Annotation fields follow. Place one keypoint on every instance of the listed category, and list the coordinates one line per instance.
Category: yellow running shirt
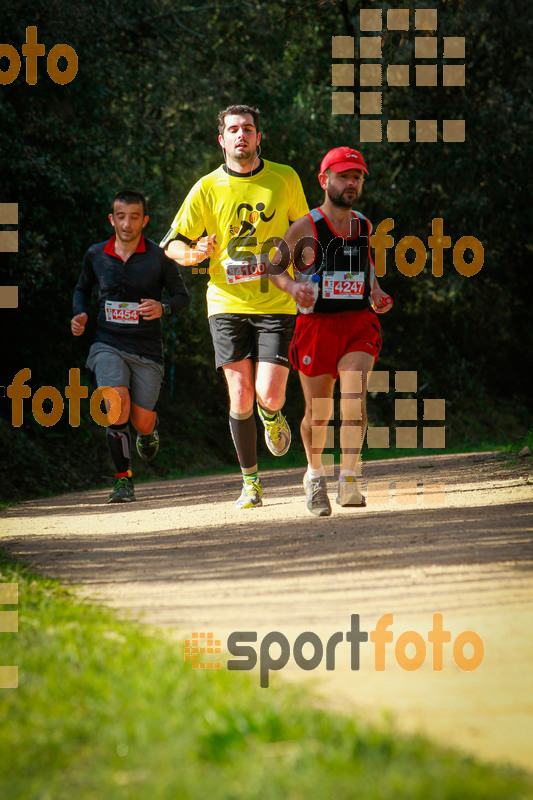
(248, 213)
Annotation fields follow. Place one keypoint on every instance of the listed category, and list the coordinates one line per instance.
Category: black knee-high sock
(244, 434)
(119, 444)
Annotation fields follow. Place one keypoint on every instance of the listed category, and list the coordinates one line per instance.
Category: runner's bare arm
(295, 248)
(189, 255)
(381, 301)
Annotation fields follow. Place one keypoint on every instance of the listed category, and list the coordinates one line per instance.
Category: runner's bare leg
(317, 415)
(240, 380)
(270, 385)
(354, 369)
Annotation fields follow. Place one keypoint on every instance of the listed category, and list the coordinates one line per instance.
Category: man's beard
(244, 156)
(338, 199)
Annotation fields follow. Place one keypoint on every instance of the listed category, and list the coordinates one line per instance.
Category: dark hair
(254, 113)
(129, 197)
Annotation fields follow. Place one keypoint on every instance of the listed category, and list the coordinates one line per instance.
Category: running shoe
(251, 495)
(123, 491)
(348, 494)
(316, 496)
(277, 432)
(148, 445)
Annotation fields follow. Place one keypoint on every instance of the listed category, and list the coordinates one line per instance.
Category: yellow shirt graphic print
(247, 213)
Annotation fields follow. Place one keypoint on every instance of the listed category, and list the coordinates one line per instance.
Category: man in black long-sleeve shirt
(130, 273)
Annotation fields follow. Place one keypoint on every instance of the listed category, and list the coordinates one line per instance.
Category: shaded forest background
(142, 113)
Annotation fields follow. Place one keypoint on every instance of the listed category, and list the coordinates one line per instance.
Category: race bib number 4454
(343, 285)
(123, 313)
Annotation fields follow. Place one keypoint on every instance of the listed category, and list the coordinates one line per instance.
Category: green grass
(517, 444)
(108, 710)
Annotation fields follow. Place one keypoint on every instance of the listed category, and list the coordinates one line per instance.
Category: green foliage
(104, 709)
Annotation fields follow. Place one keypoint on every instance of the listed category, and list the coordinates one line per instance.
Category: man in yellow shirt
(244, 207)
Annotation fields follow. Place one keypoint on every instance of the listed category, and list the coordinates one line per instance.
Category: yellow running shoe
(251, 495)
(277, 432)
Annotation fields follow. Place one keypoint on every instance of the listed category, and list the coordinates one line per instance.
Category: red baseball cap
(342, 158)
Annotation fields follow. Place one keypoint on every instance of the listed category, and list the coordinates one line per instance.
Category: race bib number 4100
(123, 313)
(343, 285)
(241, 271)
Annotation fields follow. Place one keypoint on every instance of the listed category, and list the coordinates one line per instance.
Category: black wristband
(166, 309)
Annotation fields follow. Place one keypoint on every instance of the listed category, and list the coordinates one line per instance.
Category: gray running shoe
(148, 445)
(251, 495)
(277, 432)
(316, 496)
(123, 491)
(348, 494)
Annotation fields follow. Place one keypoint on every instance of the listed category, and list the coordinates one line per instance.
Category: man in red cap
(341, 337)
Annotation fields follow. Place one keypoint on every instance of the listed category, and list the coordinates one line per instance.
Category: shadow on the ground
(255, 545)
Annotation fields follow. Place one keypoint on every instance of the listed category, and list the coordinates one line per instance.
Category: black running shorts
(261, 337)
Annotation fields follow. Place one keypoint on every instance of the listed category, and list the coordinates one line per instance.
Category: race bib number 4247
(343, 285)
(123, 313)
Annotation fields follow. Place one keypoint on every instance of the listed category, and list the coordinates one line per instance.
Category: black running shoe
(148, 445)
(123, 491)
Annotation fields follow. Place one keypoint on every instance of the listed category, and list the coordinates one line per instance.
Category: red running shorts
(321, 339)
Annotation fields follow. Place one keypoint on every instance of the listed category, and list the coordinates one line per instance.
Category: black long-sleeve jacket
(144, 275)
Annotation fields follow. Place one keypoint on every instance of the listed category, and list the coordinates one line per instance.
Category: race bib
(123, 313)
(241, 271)
(343, 285)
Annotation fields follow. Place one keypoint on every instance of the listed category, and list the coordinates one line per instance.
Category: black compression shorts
(260, 337)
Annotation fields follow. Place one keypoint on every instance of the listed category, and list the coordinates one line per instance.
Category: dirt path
(184, 558)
